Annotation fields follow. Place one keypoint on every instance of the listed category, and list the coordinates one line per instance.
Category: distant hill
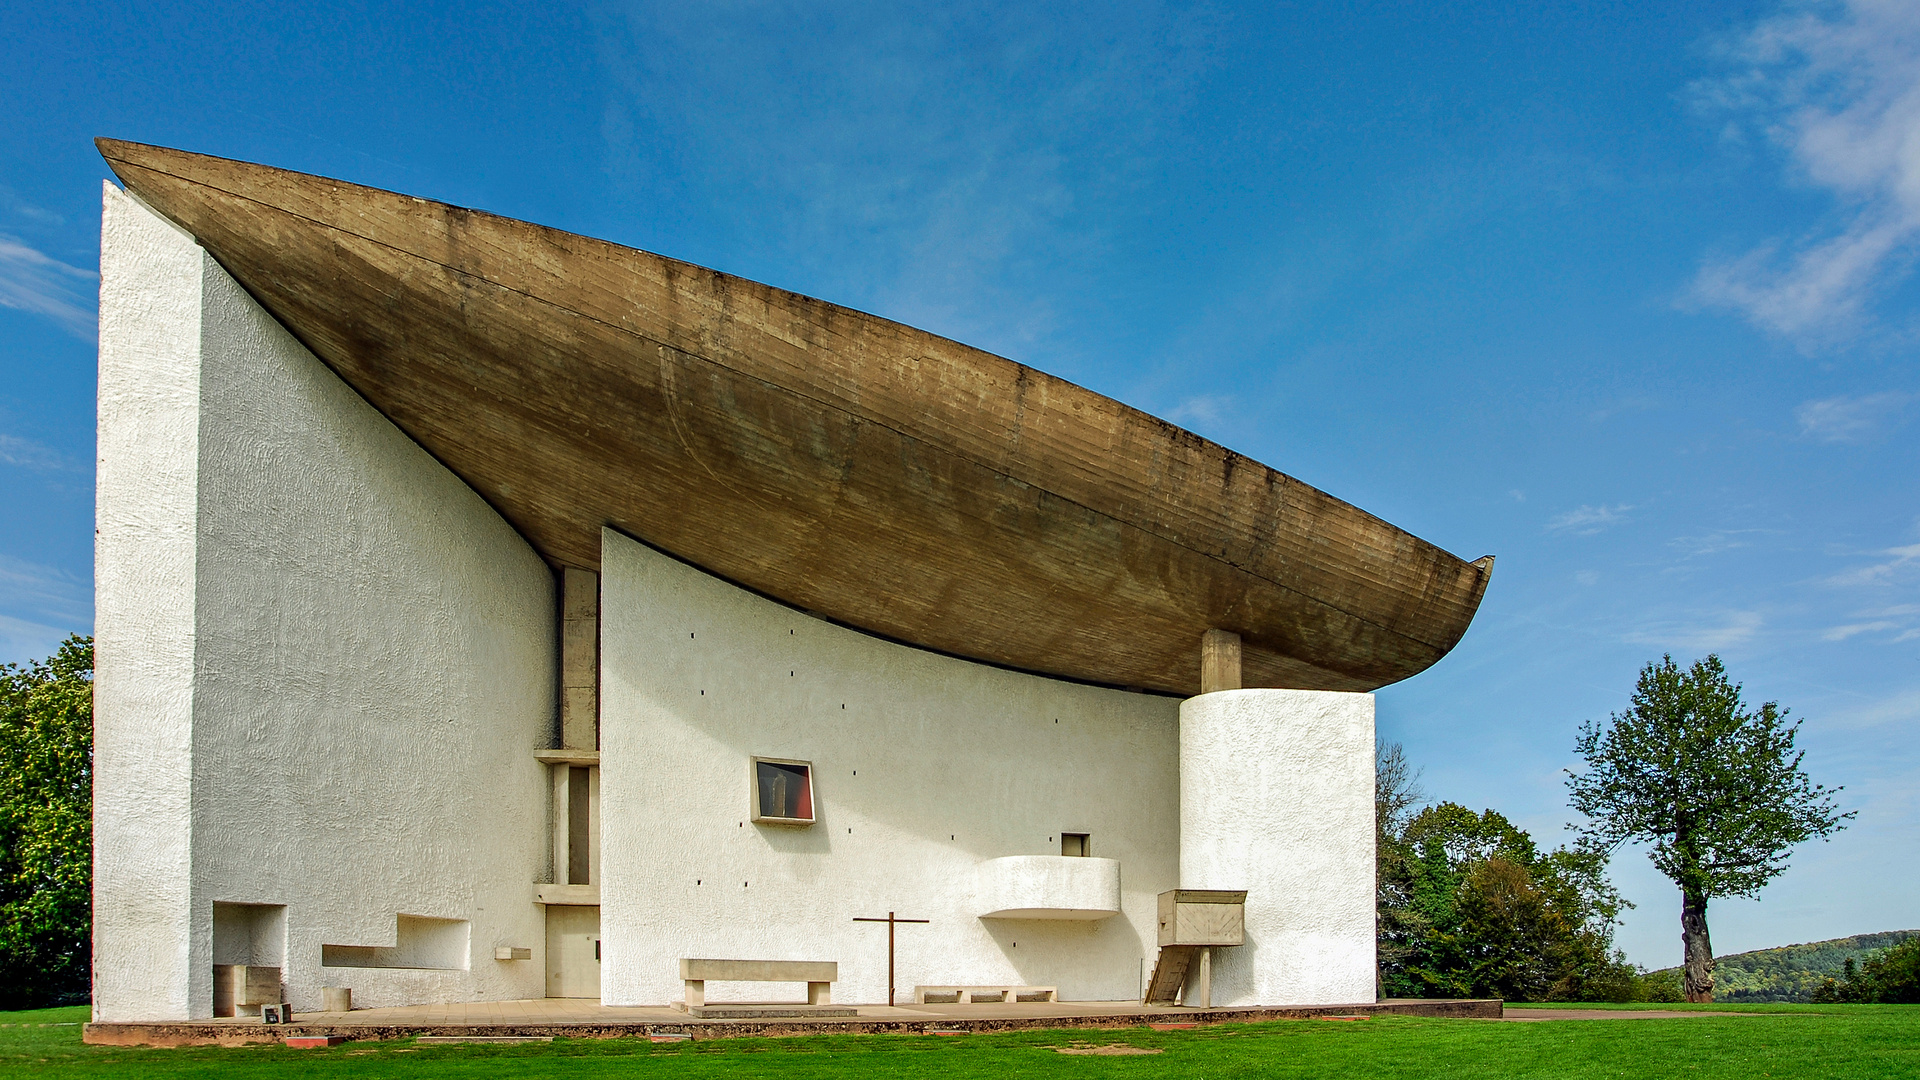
(1791, 972)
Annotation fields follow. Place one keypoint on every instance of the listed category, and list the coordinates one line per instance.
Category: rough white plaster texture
(323, 661)
(1276, 797)
(924, 767)
(1049, 887)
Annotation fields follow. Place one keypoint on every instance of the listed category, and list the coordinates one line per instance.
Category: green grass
(1784, 1041)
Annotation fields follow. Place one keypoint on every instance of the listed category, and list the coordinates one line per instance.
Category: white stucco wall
(144, 578)
(925, 768)
(323, 661)
(1276, 798)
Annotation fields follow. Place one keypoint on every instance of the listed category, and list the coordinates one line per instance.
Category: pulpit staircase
(1170, 973)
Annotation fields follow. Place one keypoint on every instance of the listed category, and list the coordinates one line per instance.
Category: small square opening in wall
(1076, 844)
(782, 791)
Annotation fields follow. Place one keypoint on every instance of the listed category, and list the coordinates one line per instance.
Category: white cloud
(1842, 633)
(44, 590)
(27, 454)
(1587, 520)
(1848, 419)
(22, 640)
(1727, 630)
(35, 283)
(1713, 543)
(1894, 565)
(1901, 706)
(1840, 93)
(1877, 620)
(39, 607)
(1205, 409)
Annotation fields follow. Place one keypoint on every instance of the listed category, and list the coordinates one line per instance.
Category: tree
(1469, 907)
(1715, 787)
(1890, 978)
(1397, 925)
(46, 827)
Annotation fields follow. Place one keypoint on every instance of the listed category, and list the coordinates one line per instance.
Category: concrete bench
(977, 995)
(818, 975)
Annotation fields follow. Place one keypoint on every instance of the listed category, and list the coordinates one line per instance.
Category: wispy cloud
(1587, 520)
(934, 151)
(22, 640)
(1895, 565)
(33, 282)
(1849, 419)
(1700, 545)
(1838, 88)
(1203, 410)
(45, 591)
(1899, 707)
(1714, 634)
(39, 607)
(27, 454)
(1842, 633)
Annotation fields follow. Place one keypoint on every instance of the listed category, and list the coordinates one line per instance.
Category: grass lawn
(1781, 1041)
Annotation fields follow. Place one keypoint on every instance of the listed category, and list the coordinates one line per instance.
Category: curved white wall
(323, 661)
(1276, 797)
(925, 766)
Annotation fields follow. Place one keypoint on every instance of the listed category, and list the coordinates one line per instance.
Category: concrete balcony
(1049, 887)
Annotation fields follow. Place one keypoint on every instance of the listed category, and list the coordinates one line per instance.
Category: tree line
(46, 828)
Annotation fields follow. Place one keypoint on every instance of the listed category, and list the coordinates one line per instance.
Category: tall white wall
(323, 661)
(1276, 797)
(926, 767)
(144, 580)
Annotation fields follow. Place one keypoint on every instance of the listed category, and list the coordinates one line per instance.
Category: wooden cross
(891, 922)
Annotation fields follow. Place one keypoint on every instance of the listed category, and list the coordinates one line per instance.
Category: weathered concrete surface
(884, 477)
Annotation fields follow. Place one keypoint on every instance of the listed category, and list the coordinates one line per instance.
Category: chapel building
(487, 612)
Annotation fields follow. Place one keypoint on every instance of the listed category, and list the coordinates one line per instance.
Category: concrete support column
(579, 659)
(1219, 661)
(1276, 797)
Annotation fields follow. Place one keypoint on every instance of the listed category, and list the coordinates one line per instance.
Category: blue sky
(1622, 294)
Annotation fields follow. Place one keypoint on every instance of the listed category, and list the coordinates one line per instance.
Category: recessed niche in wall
(250, 935)
(249, 957)
(1077, 844)
(431, 944)
(782, 791)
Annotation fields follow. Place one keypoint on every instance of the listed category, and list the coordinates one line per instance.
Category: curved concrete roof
(856, 468)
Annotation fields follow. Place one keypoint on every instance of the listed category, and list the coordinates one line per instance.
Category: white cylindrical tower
(1276, 797)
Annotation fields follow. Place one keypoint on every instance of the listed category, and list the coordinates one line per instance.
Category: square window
(1075, 844)
(782, 791)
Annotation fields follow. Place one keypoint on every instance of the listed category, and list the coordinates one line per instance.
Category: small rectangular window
(1075, 844)
(782, 791)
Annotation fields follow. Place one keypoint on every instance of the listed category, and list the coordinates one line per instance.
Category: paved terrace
(581, 1019)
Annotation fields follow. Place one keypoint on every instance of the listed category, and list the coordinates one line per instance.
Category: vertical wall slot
(579, 834)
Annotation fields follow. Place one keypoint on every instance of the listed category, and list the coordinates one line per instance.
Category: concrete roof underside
(853, 467)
